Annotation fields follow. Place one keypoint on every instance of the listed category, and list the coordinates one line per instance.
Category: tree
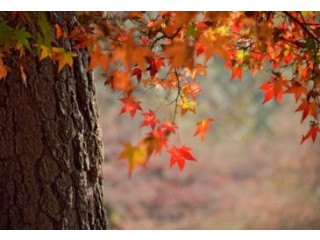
(50, 155)
(50, 158)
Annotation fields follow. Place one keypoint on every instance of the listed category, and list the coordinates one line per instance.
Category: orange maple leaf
(3, 69)
(273, 89)
(180, 54)
(308, 108)
(99, 58)
(203, 128)
(297, 89)
(121, 80)
(130, 53)
(58, 30)
(180, 155)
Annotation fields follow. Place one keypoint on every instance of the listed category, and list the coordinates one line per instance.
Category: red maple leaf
(236, 72)
(150, 119)
(168, 127)
(137, 72)
(203, 127)
(314, 129)
(180, 155)
(155, 141)
(130, 105)
(269, 93)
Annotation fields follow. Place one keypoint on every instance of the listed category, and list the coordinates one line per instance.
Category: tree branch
(302, 26)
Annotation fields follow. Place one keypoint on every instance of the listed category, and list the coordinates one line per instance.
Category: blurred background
(251, 173)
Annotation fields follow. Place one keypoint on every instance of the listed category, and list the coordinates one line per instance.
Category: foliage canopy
(170, 51)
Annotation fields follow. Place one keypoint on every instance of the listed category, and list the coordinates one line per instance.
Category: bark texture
(50, 147)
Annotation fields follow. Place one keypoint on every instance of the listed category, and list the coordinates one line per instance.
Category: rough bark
(50, 147)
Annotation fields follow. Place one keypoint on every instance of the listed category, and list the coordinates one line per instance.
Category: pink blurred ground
(267, 181)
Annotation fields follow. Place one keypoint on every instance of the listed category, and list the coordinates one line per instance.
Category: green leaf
(46, 29)
(310, 44)
(22, 37)
(193, 30)
(40, 42)
(6, 35)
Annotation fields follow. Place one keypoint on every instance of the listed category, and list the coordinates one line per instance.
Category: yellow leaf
(63, 57)
(222, 30)
(242, 55)
(134, 155)
(45, 52)
(187, 105)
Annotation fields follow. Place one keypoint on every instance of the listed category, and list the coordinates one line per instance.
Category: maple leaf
(192, 90)
(212, 44)
(121, 80)
(308, 108)
(155, 141)
(187, 105)
(242, 55)
(130, 105)
(45, 52)
(150, 119)
(181, 18)
(45, 29)
(168, 127)
(58, 30)
(222, 30)
(314, 129)
(137, 72)
(82, 37)
(6, 36)
(135, 155)
(23, 75)
(192, 30)
(236, 72)
(154, 65)
(203, 127)
(269, 93)
(297, 89)
(130, 53)
(22, 37)
(64, 58)
(180, 54)
(180, 155)
(98, 58)
(273, 89)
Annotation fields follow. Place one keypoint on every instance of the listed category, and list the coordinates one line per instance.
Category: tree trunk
(50, 144)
